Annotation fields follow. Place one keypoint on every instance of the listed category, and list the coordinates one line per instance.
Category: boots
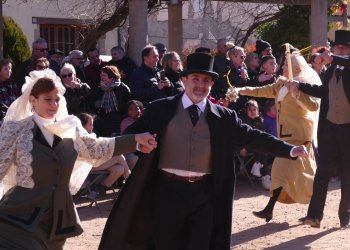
(267, 212)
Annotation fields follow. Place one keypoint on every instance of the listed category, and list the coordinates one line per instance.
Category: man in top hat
(263, 48)
(202, 50)
(180, 196)
(333, 129)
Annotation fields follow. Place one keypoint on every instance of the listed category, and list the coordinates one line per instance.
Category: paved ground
(248, 232)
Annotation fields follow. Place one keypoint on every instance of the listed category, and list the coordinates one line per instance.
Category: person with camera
(110, 102)
(147, 82)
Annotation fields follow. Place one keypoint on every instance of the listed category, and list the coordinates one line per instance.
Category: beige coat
(296, 124)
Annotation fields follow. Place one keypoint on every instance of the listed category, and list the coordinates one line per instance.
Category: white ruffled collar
(41, 121)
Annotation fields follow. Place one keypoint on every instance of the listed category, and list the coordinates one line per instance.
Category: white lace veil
(21, 108)
(65, 126)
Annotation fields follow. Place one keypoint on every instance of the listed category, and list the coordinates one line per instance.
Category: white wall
(22, 13)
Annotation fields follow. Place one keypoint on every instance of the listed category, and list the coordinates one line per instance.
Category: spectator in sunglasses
(77, 92)
(39, 50)
(238, 75)
(41, 63)
(76, 58)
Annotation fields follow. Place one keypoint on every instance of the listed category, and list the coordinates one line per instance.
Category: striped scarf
(109, 100)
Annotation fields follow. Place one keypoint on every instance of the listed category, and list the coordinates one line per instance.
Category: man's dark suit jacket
(321, 91)
(129, 225)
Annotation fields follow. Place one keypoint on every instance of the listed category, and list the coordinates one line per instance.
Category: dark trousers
(183, 214)
(334, 153)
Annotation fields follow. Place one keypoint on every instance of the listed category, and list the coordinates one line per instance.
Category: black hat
(341, 37)
(200, 63)
(202, 50)
(56, 51)
(160, 47)
(261, 45)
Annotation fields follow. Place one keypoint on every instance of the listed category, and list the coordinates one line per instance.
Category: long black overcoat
(322, 91)
(129, 225)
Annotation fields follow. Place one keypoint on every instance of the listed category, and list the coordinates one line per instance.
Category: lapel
(40, 143)
(166, 113)
(168, 110)
(345, 79)
(328, 75)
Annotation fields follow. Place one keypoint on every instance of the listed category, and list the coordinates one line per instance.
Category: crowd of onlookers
(111, 95)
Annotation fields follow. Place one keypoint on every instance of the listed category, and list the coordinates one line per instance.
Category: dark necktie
(193, 110)
(338, 73)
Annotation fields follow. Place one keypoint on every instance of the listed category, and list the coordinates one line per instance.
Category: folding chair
(93, 179)
(244, 163)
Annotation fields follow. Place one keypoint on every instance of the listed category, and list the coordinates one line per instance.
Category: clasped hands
(146, 142)
(293, 87)
(163, 83)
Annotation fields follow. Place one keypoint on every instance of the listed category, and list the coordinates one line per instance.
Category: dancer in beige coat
(291, 180)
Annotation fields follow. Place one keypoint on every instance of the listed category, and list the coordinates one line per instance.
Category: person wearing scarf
(110, 102)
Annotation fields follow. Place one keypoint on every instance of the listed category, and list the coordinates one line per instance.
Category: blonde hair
(167, 58)
(234, 50)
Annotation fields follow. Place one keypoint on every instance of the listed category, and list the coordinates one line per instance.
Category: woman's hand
(146, 142)
(244, 74)
(293, 87)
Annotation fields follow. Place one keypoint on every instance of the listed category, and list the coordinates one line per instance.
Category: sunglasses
(39, 67)
(42, 50)
(68, 75)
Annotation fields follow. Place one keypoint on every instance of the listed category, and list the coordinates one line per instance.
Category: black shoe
(302, 219)
(345, 225)
(263, 215)
(312, 222)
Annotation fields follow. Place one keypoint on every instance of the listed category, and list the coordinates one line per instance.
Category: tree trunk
(1, 33)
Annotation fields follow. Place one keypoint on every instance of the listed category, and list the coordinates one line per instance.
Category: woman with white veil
(291, 180)
(40, 146)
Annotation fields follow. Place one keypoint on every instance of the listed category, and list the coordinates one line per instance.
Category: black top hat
(341, 37)
(202, 50)
(55, 51)
(200, 63)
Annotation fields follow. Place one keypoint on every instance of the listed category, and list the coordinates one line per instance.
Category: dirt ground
(248, 232)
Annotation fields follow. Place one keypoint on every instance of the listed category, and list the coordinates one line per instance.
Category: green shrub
(292, 27)
(15, 42)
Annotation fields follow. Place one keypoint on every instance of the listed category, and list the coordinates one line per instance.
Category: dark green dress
(42, 217)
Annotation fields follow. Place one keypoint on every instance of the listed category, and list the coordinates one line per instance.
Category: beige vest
(183, 146)
(339, 107)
